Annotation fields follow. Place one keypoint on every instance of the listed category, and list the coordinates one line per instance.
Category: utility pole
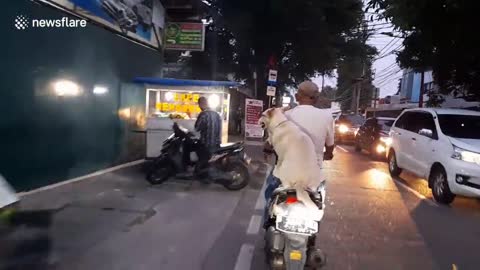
(422, 82)
(359, 81)
(255, 86)
(359, 91)
(375, 97)
(354, 98)
(255, 83)
(323, 81)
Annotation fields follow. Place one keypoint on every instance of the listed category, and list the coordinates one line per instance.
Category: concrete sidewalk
(72, 225)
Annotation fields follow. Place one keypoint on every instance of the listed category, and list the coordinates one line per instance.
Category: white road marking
(260, 204)
(343, 149)
(254, 225)
(244, 259)
(77, 179)
(416, 193)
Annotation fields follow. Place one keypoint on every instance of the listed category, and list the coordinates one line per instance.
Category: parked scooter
(291, 229)
(228, 166)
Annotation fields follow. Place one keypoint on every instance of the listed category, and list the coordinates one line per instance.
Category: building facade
(68, 105)
(411, 82)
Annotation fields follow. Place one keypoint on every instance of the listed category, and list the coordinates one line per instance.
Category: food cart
(173, 100)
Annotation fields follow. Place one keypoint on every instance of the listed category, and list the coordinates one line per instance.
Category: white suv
(441, 145)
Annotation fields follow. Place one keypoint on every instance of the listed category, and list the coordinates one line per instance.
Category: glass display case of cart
(165, 106)
(182, 104)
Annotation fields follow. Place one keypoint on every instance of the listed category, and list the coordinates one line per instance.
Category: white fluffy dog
(297, 161)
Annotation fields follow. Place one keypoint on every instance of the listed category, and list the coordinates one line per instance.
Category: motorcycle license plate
(296, 226)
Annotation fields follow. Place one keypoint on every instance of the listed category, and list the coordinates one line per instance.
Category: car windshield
(385, 124)
(354, 120)
(460, 126)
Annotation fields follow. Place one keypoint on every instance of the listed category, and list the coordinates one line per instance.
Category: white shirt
(316, 123)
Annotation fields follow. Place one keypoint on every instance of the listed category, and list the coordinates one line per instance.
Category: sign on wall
(272, 75)
(253, 112)
(179, 102)
(271, 90)
(141, 20)
(185, 36)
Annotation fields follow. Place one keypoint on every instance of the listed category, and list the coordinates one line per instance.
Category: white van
(441, 145)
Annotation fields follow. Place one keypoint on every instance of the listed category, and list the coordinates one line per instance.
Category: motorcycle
(227, 166)
(291, 229)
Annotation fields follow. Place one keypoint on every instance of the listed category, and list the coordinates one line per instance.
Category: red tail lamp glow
(291, 199)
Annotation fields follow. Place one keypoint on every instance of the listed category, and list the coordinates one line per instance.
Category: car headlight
(380, 149)
(386, 140)
(343, 129)
(465, 155)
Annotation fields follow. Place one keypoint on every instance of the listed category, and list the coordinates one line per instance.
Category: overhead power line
(389, 53)
(389, 77)
(389, 74)
(389, 81)
(386, 70)
(388, 45)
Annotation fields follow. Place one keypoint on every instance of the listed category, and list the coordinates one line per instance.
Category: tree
(327, 95)
(356, 63)
(300, 38)
(439, 34)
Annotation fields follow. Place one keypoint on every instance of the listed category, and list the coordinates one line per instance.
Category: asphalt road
(117, 221)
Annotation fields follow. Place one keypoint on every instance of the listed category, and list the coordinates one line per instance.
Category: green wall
(44, 138)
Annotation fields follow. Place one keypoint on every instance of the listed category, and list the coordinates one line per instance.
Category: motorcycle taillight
(291, 199)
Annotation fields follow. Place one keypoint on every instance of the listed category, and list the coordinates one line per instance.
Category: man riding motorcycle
(316, 123)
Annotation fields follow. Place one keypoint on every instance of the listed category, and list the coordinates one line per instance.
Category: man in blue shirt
(209, 124)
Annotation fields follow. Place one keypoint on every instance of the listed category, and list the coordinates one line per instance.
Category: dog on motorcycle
(297, 166)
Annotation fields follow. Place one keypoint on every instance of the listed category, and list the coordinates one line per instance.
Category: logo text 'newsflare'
(22, 23)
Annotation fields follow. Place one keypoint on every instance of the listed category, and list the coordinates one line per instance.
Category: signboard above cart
(183, 36)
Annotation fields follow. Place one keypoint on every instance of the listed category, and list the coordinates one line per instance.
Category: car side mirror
(426, 132)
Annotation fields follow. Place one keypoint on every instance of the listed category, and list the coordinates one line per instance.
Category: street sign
(271, 90)
(272, 75)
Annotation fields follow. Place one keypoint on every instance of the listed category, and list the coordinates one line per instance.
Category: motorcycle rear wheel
(240, 176)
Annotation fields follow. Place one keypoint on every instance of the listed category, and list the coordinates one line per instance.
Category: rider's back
(316, 123)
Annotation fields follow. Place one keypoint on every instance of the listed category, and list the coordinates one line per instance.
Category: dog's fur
(297, 161)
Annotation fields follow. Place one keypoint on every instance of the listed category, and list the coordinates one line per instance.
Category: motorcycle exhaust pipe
(275, 240)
